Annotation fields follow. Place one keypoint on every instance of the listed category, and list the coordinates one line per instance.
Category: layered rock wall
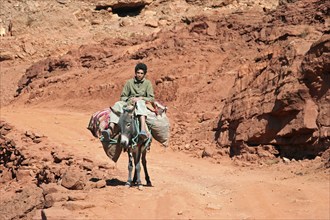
(282, 99)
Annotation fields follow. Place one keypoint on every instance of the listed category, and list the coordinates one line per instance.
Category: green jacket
(134, 88)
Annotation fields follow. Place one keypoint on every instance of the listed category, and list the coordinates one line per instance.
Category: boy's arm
(125, 93)
(150, 96)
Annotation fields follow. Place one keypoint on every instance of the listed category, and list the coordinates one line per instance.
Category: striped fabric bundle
(99, 121)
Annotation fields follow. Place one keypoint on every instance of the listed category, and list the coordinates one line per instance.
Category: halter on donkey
(129, 139)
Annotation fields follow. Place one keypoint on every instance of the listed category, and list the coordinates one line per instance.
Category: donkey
(136, 149)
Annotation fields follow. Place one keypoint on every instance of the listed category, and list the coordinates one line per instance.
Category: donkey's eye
(128, 124)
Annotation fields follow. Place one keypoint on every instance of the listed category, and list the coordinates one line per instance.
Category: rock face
(282, 99)
(21, 202)
(316, 76)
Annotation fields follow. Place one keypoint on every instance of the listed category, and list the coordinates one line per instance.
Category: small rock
(163, 22)
(169, 78)
(152, 23)
(97, 174)
(150, 13)
(60, 197)
(37, 135)
(6, 56)
(77, 196)
(6, 176)
(49, 201)
(207, 152)
(187, 147)
(63, 1)
(158, 81)
(96, 22)
(51, 188)
(286, 160)
(77, 206)
(29, 134)
(2, 31)
(212, 29)
(213, 206)
(126, 22)
(29, 48)
(23, 175)
(101, 184)
(105, 166)
(73, 179)
(37, 140)
(87, 166)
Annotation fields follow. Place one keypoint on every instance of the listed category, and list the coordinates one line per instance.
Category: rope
(111, 141)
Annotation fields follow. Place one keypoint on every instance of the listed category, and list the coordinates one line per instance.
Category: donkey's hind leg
(130, 168)
(144, 163)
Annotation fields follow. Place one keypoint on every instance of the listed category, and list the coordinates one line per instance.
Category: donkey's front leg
(137, 163)
(144, 163)
(130, 168)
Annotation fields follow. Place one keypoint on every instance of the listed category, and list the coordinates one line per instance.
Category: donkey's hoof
(149, 183)
(140, 187)
(128, 184)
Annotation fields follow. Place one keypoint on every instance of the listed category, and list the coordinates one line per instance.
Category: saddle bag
(159, 124)
(100, 121)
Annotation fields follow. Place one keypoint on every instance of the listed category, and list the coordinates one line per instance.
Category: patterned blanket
(99, 121)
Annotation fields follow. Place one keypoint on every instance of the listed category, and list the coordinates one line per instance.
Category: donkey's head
(128, 126)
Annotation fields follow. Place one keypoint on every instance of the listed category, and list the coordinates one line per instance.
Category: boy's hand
(135, 99)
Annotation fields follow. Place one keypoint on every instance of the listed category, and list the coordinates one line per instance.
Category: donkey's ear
(118, 113)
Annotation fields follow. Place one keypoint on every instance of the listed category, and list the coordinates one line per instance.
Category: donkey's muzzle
(124, 141)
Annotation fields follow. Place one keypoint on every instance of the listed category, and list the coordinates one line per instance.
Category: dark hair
(141, 66)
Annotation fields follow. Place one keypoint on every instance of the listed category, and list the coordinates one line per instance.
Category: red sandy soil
(186, 185)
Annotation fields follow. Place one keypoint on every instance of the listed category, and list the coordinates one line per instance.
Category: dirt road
(184, 187)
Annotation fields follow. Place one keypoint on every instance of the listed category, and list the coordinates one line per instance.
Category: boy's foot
(106, 135)
(143, 136)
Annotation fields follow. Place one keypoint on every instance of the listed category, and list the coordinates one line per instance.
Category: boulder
(74, 179)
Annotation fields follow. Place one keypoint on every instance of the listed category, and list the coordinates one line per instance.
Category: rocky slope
(274, 99)
(280, 100)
